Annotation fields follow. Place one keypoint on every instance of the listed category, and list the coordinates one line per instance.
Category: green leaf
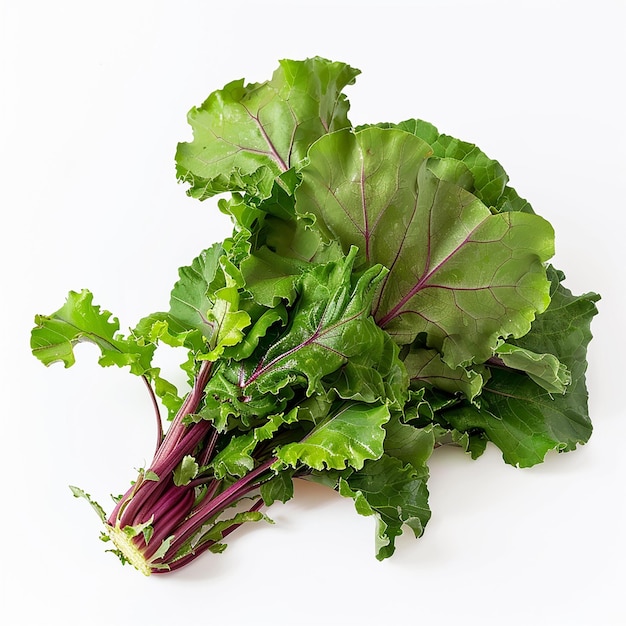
(544, 369)
(165, 390)
(472, 442)
(395, 493)
(228, 320)
(488, 177)
(250, 342)
(564, 330)
(381, 376)
(236, 458)
(523, 419)
(55, 336)
(271, 278)
(279, 488)
(164, 327)
(207, 298)
(162, 551)
(224, 398)
(247, 135)
(409, 444)
(426, 368)
(217, 531)
(79, 493)
(330, 326)
(185, 471)
(189, 300)
(348, 437)
(511, 201)
(458, 273)
(145, 529)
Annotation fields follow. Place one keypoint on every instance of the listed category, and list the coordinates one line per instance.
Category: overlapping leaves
(517, 413)
(330, 332)
(459, 273)
(384, 292)
(489, 180)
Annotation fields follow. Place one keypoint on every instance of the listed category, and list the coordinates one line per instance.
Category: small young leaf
(186, 471)
(79, 493)
(279, 488)
(162, 549)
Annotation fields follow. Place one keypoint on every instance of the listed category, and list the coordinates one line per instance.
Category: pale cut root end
(129, 550)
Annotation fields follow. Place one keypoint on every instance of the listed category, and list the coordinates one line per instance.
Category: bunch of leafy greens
(384, 292)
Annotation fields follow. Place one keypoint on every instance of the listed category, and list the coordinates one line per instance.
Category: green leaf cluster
(384, 292)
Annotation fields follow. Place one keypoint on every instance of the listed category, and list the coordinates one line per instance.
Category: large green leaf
(521, 417)
(348, 437)
(458, 273)
(247, 135)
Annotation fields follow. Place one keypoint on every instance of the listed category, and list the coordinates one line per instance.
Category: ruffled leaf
(523, 419)
(544, 369)
(409, 444)
(395, 493)
(427, 368)
(347, 438)
(489, 180)
(330, 326)
(186, 471)
(207, 298)
(79, 320)
(190, 299)
(245, 136)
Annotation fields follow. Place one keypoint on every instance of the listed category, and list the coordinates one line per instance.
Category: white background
(93, 99)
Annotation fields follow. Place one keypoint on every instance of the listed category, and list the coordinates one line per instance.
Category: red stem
(210, 508)
(185, 560)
